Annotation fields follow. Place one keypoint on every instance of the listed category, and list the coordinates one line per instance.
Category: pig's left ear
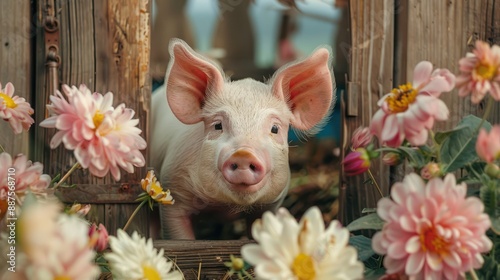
(307, 86)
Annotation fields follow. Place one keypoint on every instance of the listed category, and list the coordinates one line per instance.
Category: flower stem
(134, 213)
(487, 111)
(435, 146)
(473, 274)
(73, 168)
(375, 183)
(1, 149)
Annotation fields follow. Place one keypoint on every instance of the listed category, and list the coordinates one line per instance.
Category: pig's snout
(243, 168)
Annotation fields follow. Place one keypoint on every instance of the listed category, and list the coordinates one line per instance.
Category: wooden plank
(105, 45)
(372, 25)
(122, 66)
(15, 61)
(443, 32)
(188, 255)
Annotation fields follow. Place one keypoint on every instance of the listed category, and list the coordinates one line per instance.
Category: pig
(221, 145)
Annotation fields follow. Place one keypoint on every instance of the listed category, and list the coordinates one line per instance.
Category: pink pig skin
(222, 146)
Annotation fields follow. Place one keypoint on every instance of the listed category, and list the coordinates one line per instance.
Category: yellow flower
(153, 188)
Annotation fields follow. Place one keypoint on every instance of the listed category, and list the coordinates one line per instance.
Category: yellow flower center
(98, 119)
(8, 101)
(401, 98)
(303, 267)
(484, 71)
(150, 273)
(432, 241)
(62, 277)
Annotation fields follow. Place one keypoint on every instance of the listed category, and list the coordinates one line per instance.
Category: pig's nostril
(252, 167)
(234, 166)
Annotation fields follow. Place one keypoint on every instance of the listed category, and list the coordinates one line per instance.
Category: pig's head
(243, 157)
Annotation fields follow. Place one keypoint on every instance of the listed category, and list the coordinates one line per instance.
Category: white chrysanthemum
(134, 258)
(304, 250)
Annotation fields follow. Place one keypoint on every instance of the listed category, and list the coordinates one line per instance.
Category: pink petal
(436, 86)
(9, 89)
(391, 132)
(397, 250)
(413, 245)
(434, 261)
(415, 263)
(421, 73)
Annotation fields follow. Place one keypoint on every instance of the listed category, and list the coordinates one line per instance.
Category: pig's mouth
(246, 188)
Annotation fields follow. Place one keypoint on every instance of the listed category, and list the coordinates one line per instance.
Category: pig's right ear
(190, 78)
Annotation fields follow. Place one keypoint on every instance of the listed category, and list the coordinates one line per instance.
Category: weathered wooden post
(105, 45)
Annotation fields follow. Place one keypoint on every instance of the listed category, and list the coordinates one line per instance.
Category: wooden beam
(105, 45)
(210, 254)
(371, 70)
(15, 65)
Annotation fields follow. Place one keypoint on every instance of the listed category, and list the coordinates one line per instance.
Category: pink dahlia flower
(103, 138)
(407, 112)
(23, 176)
(488, 144)
(15, 109)
(480, 72)
(432, 230)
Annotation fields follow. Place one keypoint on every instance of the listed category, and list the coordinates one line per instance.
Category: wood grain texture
(442, 32)
(15, 65)
(104, 45)
(371, 72)
(211, 254)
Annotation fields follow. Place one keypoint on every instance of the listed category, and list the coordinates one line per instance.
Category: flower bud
(488, 144)
(361, 137)
(391, 158)
(492, 170)
(98, 237)
(356, 162)
(431, 170)
(79, 209)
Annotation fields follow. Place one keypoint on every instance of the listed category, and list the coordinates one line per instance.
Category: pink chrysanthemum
(407, 112)
(432, 230)
(104, 138)
(23, 176)
(480, 72)
(15, 109)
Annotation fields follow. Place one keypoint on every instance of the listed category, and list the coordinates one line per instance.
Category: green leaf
(370, 221)
(373, 274)
(439, 137)
(459, 148)
(415, 157)
(368, 210)
(363, 245)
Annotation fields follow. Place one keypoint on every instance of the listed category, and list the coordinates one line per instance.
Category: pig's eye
(218, 126)
(274, 129)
